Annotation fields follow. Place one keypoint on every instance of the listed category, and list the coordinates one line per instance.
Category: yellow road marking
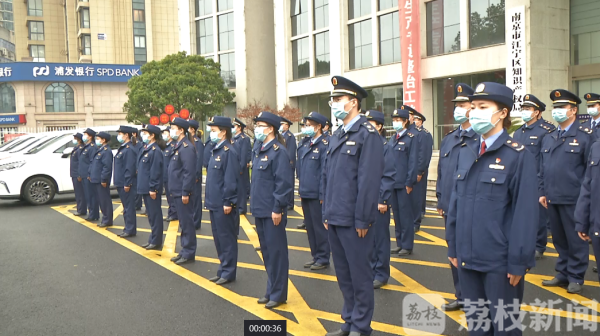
(171, 237)
(536, 280)
(419, 262)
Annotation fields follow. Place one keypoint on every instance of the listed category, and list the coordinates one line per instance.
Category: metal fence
(9, 133)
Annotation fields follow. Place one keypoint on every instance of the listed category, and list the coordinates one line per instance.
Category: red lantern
(174, 116)
(184, 113)
(169, 109)
(164, 118)
(154, 120)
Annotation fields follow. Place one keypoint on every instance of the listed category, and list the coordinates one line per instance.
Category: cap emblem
(459, 89)
(402, 107)
(556, 94)
(480, 88)
(526, 97)
(334, 81)
(588, 96)
(260, 114)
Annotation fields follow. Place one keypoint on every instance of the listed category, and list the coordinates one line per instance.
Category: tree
(184, 81)
(488, 29)
(252, 110)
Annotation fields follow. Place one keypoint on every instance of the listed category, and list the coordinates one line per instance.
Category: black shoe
(222, 281)
(167, 219)
(378, 284)
(308, 264)
(595, 269)
(539, 255)
(154, 247)
(175, 258)
(78, 214)
(574, 288)
(126, 235)
(183, 260)
(452, 306)
(301, 226)
(262, 300)
(257, 248)
(417, 228)
(395, 250)
(145, 245)
(273, 304)
(104, 225)
(338, 333)
(91, 219)
(214, 279)
(138, 209)
(554, 283)
(404, 252)
(317, 266)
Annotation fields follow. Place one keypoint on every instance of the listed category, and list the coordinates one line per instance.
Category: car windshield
(47, 142)
(8, 146)
(27, 144)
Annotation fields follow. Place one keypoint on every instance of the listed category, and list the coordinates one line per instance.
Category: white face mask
(526, 115)
(460, 114)
(593, 111)
(481, 120)
(174, 134)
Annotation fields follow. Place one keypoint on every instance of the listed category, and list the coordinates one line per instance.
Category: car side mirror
(67, 152)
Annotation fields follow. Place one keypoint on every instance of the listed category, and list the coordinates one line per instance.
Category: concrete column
(282, 49)
(464, 24)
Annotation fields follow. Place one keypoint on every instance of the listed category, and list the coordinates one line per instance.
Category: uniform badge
(127, 146)
(400, 143)
(588, 96)
(350, 143)
(480, 88)
(515, 144)
(105, 148)
(334, 81)
(556, 94)
(496, 166)
(99, 154)
(316, 151)
(498, 160)
(526, 97)
(176, 152)
(275, 147)
(459, 89)
(574, 140)
(533, 137)
(265, 158)
(574, 143)
(146, 155)
(225, 148)
(218, 158)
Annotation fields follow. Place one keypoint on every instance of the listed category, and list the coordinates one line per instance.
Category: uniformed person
(422, 164)
(194, 127)
(351, 181)
(75, 177)
(168, 153)
(139, 146)
(208, 146)
(562, 168)
(326, 129)
(492, 222)
(85, 160)
(150, 182)
(311, 160)
(447, 166)
(222, 177)
(182, 187)
(421, 186)
(593, 109)
(272, 177)
(101, 170)
(306, 139)
(531, 134)
(291, 147)
(255, 149)
(405, 152)
(125, 178)
(244, 150)
(380, 262)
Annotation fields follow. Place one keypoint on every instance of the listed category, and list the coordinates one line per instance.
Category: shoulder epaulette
(369, 126)
(418, 129)
(410, 134)
(91, 145)
(275, 147)
(105, 148)
(195, 139)
(452, 131)
(153, 148)
(185, 144)
(127, 146)
(243, 137)
(426, 131)
(225, 148)
(586, 130)
(324, 141)
(514, 145)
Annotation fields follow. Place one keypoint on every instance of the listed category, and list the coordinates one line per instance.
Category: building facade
(460, 41)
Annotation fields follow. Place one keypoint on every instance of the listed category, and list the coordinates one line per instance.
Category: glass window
(84, 17)
(317, 103)
(585, 32)
(387, 4)
(204, 36)
(322, 53)
(443, 26)
(358, 8)
(34, 8)
(226, 40)
(385, 99)
(299, 15)
(36, 30)
(60, 98)
(586, 86)
(86, 45)
(38, 52)
(321, 14)
(228, 69)
(300, 58)
(224, 5)
(7, 99)
(138, 15)
(389, 38)
(443, 94)
(361, 46)
(139, 41)
(487, 22)
(203, 7)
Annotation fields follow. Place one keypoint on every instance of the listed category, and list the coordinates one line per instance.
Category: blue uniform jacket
(493, 219)
(199, 157)
(448, 162)
(588, 124)
(241, 143)
(125, 166)
(311, 160)
(427, 150)
(352, 176)
(221, 178)
(302, 148)
(405, 153)
(101, 167)
(562, 164)
(272, 177)
(182, 169)
(291, 146)
(150, 170)
(419, 136)
(587, 214)
(389, 174)
(85, 159)
(75, 154)
(255, 148)
(532, 136)
(207, 152)
(168, 155)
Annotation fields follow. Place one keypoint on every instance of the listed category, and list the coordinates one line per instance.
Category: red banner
(410, 43)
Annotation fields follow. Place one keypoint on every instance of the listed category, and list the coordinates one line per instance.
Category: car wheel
(39, 191)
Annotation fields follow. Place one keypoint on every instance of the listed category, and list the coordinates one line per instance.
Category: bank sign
(67, 72)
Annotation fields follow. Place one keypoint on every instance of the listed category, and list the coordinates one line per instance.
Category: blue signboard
(67, 72)
(13, 119)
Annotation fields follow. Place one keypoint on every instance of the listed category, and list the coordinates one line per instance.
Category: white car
(41, 169)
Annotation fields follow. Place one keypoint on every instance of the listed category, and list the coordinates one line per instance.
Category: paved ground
(61, 275)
